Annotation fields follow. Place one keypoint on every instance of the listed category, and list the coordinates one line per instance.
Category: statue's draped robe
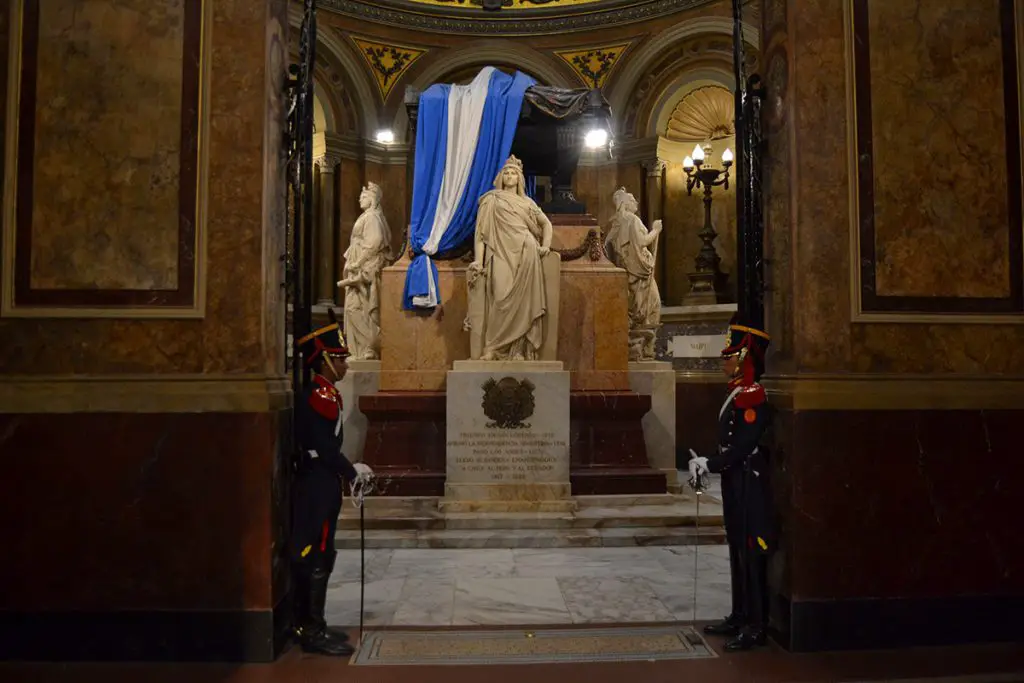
(367, 253)
(510, 228)
(627, 239)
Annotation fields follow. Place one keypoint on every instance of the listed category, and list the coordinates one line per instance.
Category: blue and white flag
(463, 137)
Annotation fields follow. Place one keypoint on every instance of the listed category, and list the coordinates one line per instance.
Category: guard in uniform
(317, 492)
(746, 491)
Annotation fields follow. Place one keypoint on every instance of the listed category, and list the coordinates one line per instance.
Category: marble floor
(464, 587)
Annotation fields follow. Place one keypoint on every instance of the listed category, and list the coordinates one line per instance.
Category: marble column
(325, 280)
(654, 209)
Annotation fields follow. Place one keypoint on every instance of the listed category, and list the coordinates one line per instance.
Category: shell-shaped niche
(707, 113)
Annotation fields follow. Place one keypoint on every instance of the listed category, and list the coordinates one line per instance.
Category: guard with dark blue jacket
(317, 491)
(746, 492)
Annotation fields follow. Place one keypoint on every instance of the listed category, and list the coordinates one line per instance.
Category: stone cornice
(525, 22)
(637, 151)
(359, 149)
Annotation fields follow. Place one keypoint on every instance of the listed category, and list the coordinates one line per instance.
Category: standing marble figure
(746, 491)
(369, 250)
(512, 236)
(631, 247)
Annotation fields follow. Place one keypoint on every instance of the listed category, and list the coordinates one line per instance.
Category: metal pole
(742, 228)
(362, 568)
(304, 314)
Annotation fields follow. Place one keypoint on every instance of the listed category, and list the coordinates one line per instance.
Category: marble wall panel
(928, 532)
(168, 511)
(275, 187)
(814, 286)
(820, 240)
(230, 337)
(931, 105)
(107, 152)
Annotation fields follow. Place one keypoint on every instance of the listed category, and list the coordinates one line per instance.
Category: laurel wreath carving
(591, 246)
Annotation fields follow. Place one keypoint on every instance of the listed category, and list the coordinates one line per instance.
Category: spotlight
(385, 137)
(596, 138)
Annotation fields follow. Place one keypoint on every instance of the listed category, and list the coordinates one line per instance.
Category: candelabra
(708, 282)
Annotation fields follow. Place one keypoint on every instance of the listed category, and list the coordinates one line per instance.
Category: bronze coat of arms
(508, 402)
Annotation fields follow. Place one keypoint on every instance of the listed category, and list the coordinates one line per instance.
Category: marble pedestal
(657, 379)
(507, 427)
(362, 379)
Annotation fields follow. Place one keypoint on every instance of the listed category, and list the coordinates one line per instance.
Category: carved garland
(591, 246)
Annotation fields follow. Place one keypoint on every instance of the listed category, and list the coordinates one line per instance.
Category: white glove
(698, 465)
(363, 471)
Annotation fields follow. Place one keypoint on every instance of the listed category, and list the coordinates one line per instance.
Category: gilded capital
(654, 167)
(327, 163)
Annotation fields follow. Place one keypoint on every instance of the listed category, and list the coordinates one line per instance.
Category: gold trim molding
(903, 392)
(144, 394)
(388, 62)
(594, 65)
(857, 313)
(8, 309)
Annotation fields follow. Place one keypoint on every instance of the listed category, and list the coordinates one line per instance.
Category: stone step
(533, 538)
(637, 516)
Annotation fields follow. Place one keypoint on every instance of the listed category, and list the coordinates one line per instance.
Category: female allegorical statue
(512, 236)
(369, 250)
(629, 246)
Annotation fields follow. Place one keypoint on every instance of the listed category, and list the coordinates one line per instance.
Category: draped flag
(463, 137)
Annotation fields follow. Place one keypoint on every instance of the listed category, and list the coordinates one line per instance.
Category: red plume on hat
(749, 343)
(327, 339)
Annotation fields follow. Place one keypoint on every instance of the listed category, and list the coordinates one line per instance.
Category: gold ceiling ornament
(387, 62)
(506, 4)
(707, 113)
(594, 64)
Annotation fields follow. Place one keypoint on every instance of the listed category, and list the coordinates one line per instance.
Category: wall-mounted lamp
(385, 137)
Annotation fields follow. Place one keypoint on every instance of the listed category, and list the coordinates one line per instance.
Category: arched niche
(677, 92)
(340, 80)
(460, 66)
(651, 72)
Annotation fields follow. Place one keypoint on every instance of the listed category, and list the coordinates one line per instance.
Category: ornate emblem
(387, 62)
(594, 64)
(508, 402)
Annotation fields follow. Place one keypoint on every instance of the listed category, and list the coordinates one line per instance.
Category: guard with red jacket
(746, 492)
(317, 491)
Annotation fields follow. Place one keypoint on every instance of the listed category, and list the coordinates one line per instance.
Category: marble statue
(369, 250)
(512, 238)
(632, 247)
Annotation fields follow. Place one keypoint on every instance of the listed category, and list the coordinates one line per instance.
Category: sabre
(359, 490)
(699, 484)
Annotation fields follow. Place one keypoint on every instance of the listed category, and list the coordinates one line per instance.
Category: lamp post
(708, 281)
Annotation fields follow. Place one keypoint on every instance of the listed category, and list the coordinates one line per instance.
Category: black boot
(300, 599)
(302, 616)
(748, 639)
(729, 626)
(315, 636)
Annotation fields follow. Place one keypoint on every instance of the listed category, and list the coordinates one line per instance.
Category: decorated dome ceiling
(513, 17)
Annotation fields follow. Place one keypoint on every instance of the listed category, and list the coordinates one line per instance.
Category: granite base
(508, 437)
(657, 379)
(406, 430)
(362, 378)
